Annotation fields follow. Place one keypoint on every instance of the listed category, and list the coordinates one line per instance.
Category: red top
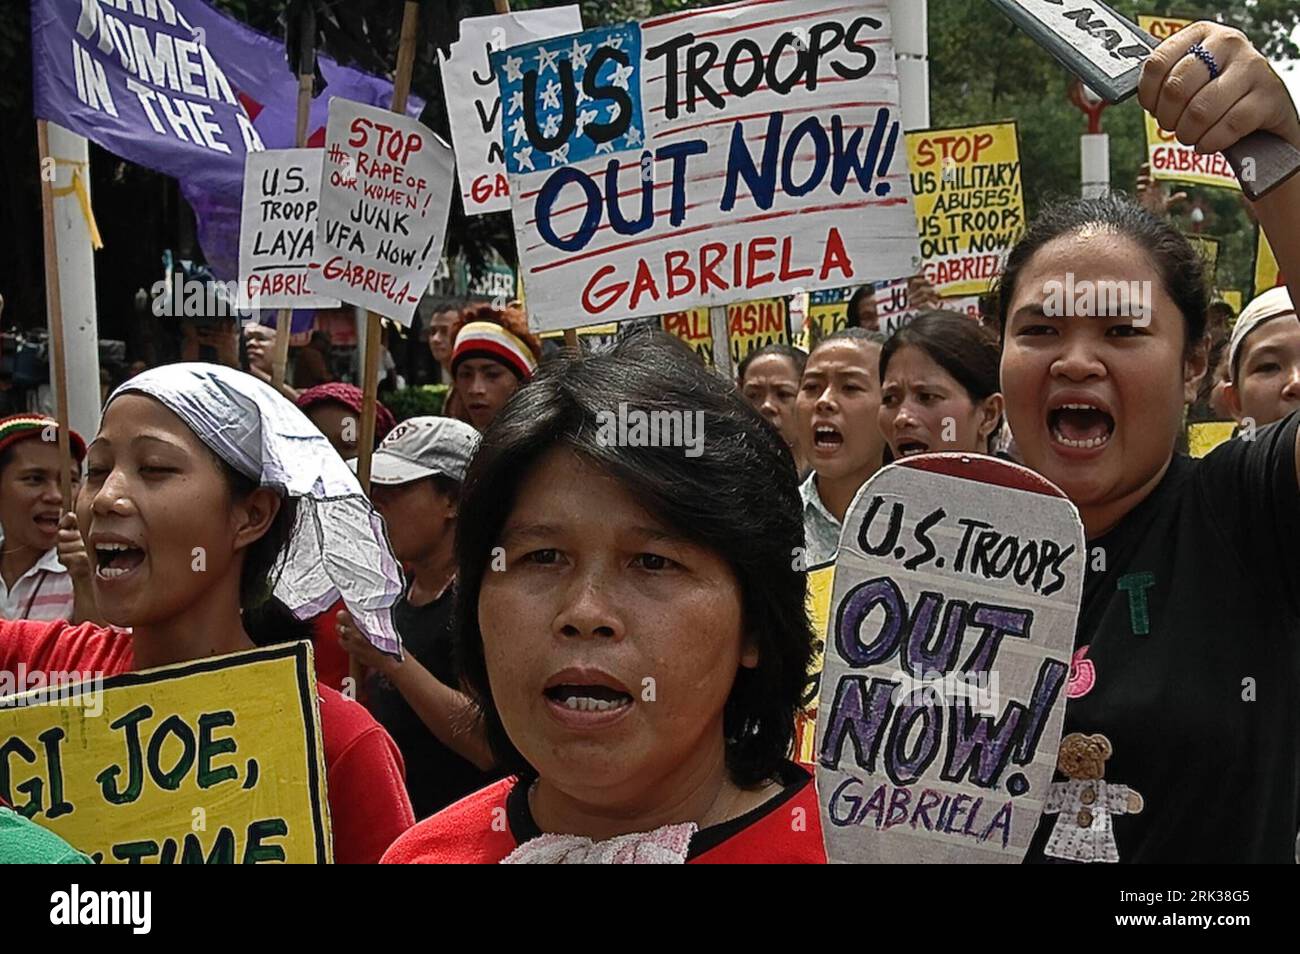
(364, 773)
(485, 827)
(333, 664)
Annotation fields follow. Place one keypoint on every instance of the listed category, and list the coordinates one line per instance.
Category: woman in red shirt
(631, 624)
(195, 483)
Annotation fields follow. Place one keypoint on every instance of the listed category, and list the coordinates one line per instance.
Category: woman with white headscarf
(205, 492)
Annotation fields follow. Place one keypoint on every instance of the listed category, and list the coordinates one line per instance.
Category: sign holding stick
(218, 761)
(54, 306)
(474, 107)
(1107, 51)
(703, 158)
(956, 596)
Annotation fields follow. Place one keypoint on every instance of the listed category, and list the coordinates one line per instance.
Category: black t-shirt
(1187, 666)
(435, 775)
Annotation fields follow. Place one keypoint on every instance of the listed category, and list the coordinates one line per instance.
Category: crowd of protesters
(542, 572)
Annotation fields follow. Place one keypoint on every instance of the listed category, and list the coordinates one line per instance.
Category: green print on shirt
(1136, 586)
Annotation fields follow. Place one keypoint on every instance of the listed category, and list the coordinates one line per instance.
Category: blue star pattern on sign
(571, 98)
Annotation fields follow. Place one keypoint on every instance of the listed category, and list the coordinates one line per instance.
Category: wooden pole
(370, 379)
(721, 340)
(370, 376)
(306, 83)
(58, 359)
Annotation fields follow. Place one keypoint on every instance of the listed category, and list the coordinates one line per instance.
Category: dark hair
(1180, 266)
(851, 333)
(263, 560)
(707, 499)
(793, 355)
(860, 294)
(958, 345)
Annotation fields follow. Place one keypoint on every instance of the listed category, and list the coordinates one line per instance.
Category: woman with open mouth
(193, 486)
(632, 628)
(837, 412)
(769, 380)
(1186, 672)
(939, 387)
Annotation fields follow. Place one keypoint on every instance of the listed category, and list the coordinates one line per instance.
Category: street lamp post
(1094, 145)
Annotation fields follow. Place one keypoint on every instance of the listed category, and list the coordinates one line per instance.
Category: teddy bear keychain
(1086, 802)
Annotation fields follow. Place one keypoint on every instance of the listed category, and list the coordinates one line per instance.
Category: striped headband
(25, 426)
(486, 339)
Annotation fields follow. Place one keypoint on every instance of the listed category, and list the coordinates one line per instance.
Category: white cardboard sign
(951, 630)
(706, 158)
(385, 195)
(277, 230)
(474, 105)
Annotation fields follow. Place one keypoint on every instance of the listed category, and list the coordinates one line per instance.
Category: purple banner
(183, 89)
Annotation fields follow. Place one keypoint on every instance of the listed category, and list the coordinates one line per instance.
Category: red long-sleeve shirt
(364, 773)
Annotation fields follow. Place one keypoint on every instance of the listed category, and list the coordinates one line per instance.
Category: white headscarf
(339, 548)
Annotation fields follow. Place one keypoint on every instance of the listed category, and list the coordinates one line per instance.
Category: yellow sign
(1170, 160)
(218, 761)
(821, 581)
(608, 330)
(1266, 271)
(751, 326)
(970, 205)
(1232, 298)
(1204, 437)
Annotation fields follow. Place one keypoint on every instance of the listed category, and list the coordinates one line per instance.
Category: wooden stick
(370, 377)
(571, 340)
(721, 340)
(58, 356)
(502, 6)
(283, 320)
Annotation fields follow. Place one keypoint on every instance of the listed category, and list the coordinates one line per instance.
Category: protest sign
(751, 325)
(828, 311)
(968, 305)
(1169, 159)
(704, 158)
(970, 205)
(277, 234)
(474, 106)
(957, 591)
(820, 581)
(1267, 273)
(216, 761)
(385, 195)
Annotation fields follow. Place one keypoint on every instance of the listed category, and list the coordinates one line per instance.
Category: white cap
(424, 447)
(1274, 303)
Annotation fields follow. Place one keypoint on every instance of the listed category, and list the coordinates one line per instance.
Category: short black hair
(708, 499)
(1180, 266)
(851, 333)
(796, 357)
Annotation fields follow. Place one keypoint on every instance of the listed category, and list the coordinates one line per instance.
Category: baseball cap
(1274, 303)
(21, 427)
(423, 447)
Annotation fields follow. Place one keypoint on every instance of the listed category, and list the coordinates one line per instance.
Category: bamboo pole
(58, 355)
